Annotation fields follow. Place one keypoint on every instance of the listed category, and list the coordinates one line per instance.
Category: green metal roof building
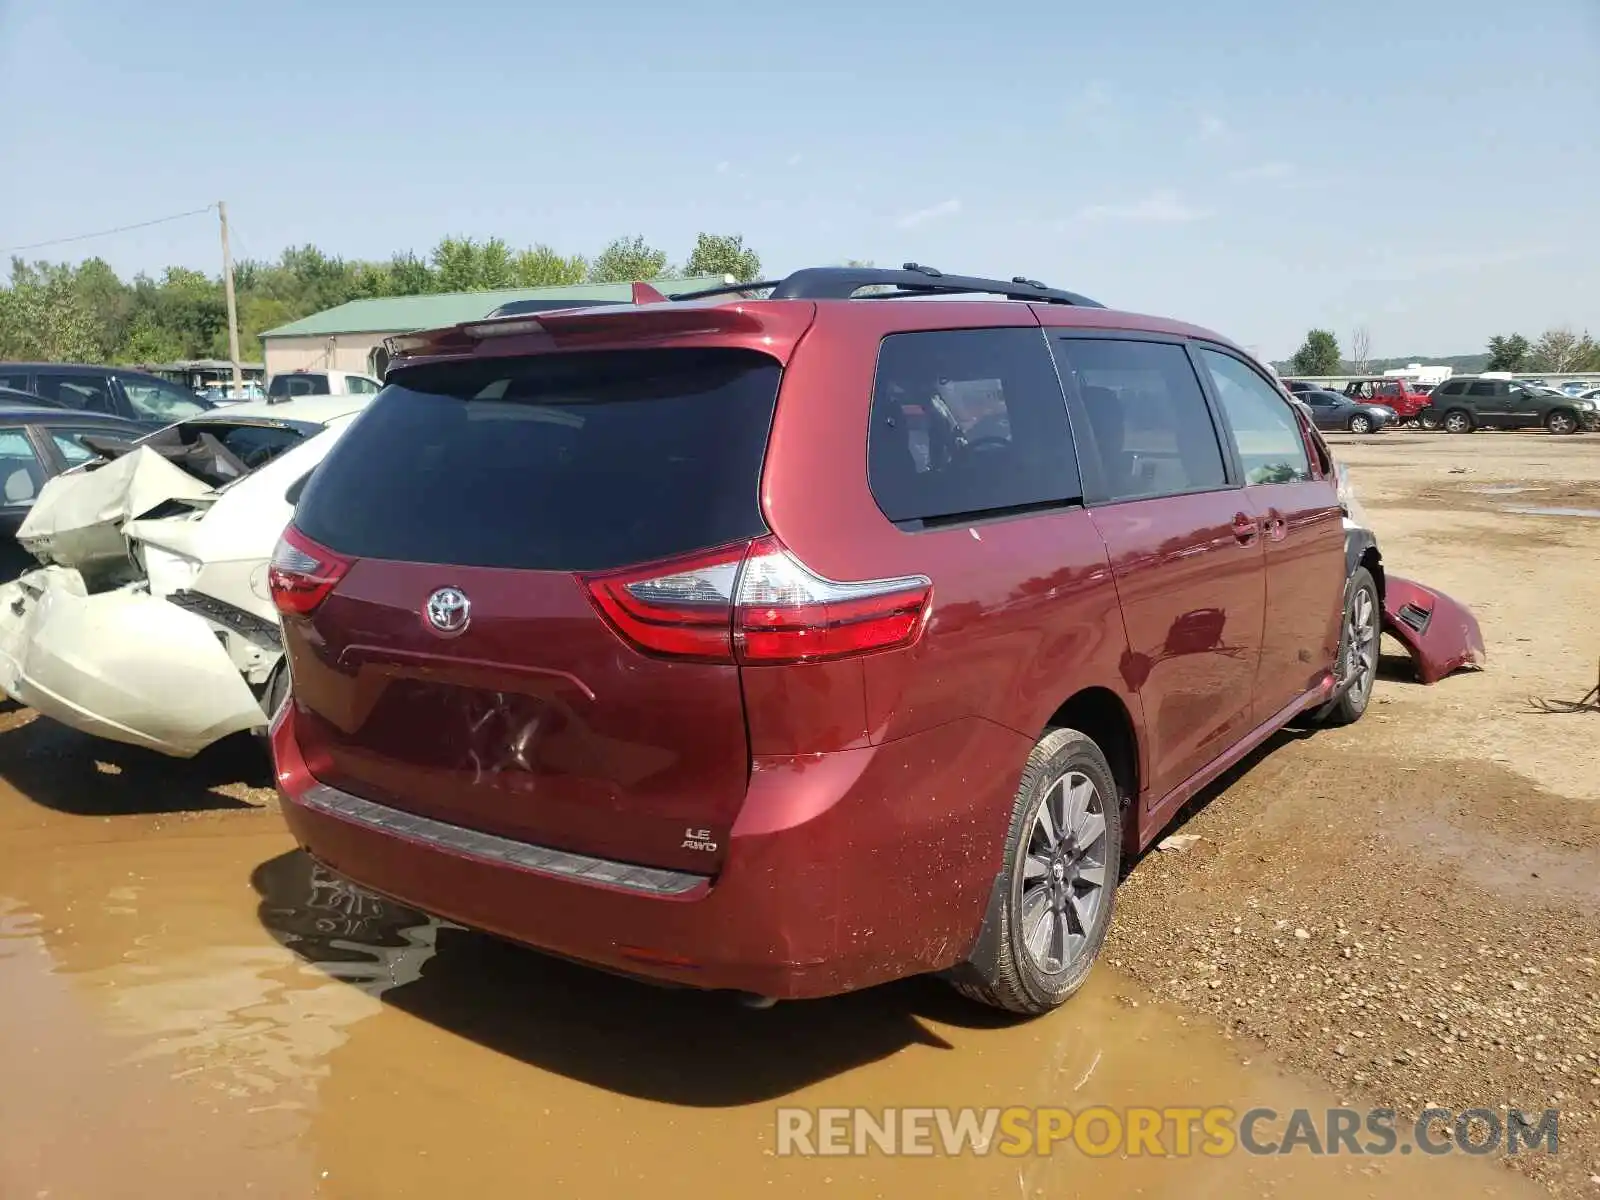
(350, 337)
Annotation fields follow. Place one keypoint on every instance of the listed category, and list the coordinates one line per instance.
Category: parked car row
(1582, 389)
(1461, 404)
(783, 646)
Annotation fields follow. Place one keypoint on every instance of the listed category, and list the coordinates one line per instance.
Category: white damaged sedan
(150, 621)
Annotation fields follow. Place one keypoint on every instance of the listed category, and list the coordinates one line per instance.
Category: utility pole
(233, 311)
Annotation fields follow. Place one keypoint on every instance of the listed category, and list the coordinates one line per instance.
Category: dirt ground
(1405, 912)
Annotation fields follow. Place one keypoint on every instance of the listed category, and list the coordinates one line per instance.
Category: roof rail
(727, 289)
(913, 279)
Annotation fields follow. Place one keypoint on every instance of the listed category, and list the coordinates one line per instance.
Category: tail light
(302, 573)
(785, 612)
(758, 604)
(682, 608)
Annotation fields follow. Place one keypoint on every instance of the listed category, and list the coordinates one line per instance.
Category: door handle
(1276, 526)
(1245, 528)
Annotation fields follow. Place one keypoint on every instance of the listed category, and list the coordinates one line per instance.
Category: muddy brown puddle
(189, 1008)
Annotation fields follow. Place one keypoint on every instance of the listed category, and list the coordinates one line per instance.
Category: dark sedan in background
(38, 442)
(96, 391)
(1330, 410)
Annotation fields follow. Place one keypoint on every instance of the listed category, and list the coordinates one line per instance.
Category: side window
(1484, 387)
(69, 443)
(1271, 446)
(18, 383)
(968, 423)
(87, 393)
(1450, 389)
(1144, 424)
(157, 400)
(361, 387)
(21, 473)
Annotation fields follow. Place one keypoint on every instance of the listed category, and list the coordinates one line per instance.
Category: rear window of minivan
(559, 462)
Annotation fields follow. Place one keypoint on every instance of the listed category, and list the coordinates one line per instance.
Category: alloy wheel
(1360, 425)
(1360, 660)
(1064, 872)
(1561, 423)
(1457, 423)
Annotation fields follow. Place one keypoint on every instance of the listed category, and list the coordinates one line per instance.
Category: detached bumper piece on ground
(1441, 634)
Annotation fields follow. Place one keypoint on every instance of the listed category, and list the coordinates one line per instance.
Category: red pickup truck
(1398, 394)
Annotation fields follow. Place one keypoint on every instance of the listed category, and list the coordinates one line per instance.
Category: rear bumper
(834, 878)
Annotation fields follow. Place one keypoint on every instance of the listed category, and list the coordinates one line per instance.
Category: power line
(83, 237)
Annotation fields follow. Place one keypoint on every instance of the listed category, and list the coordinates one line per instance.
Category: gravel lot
(1410, 908)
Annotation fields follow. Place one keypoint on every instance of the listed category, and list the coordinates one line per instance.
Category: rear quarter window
(966, 424)
(561, 462)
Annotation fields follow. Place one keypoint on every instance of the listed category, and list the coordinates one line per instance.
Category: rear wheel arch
(1100, 715)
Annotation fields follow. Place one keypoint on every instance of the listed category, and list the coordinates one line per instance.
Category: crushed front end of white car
(150, 621)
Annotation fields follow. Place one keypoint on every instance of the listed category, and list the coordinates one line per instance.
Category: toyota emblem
(448, 610)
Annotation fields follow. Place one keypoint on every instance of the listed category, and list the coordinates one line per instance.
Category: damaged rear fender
(1439, 632)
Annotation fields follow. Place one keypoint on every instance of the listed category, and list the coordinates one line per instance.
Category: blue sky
(1427, 168)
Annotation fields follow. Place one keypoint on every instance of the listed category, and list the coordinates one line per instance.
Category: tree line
(1554, 351)
(64, 312)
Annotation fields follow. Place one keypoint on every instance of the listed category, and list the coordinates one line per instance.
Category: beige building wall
(344, 352)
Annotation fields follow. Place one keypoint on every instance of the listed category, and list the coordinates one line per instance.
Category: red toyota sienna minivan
(793, 644)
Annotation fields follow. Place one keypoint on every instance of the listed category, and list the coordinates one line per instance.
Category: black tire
(1361, 423)
(1457, 421)
(1004, 973)
(1355, 695)
(1562, 421)
(1428, 419)
(273, 696)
